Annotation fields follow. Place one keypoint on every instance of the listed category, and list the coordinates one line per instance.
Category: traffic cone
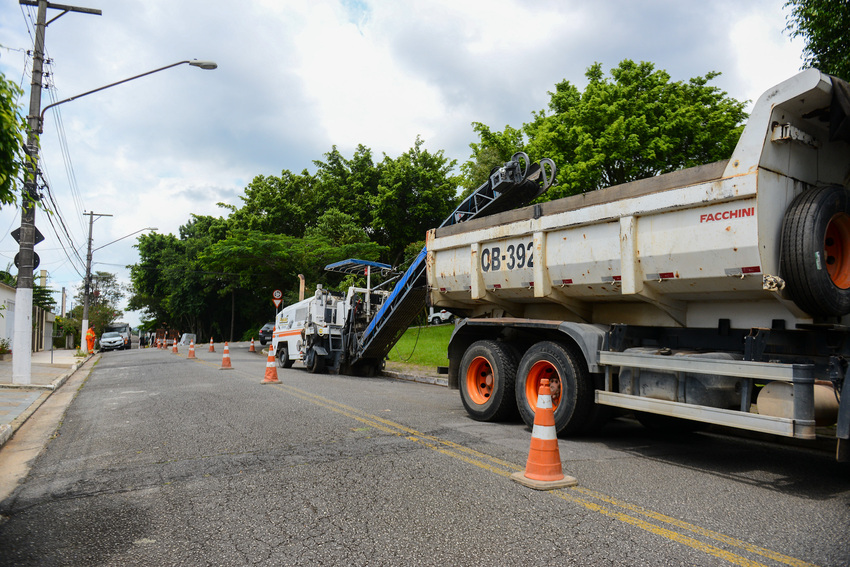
(271, 370)
(225, 359)
(159, 344)
(252, 346)
(212, 347)
(174, 347)
(191, 349)
(543, 469)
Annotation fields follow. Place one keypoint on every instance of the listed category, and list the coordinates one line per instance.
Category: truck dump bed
(682, 249)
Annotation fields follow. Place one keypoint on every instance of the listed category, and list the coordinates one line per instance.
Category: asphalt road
(162, 460)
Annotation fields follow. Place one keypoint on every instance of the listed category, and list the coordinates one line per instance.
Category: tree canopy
(823, 24)
(636, 124)
(12, 127)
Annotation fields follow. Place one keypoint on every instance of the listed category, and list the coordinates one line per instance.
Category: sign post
(277, 297)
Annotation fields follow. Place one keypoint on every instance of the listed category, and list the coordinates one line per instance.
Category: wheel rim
(480, 380)
(540, 370)
(836, 247)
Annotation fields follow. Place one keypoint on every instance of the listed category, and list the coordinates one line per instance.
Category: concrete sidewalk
(50, 369)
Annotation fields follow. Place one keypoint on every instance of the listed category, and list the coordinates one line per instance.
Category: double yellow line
(592, 500)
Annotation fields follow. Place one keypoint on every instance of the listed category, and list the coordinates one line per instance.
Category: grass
(423, 346)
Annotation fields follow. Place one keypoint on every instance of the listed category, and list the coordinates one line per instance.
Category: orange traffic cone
(252, 346)
(225, 359)
(159, 344)
(212, 347)
(271, 370)
(174, 347)
(191, 349)
(543, 469)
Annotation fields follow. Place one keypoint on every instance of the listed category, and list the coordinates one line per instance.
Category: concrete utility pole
(26, 259)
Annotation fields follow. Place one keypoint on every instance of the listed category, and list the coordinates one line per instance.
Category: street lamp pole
(22, 345)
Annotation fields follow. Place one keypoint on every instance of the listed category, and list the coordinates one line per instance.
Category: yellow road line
(696, 529)
(663, 532)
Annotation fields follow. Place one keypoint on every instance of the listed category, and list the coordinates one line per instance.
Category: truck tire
(815, 261)
(283, 360)
(487, 376)
(572, 391)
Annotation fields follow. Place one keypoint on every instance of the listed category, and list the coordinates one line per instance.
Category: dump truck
(712, 295)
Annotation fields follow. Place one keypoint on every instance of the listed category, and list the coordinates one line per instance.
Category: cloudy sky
(296, 77)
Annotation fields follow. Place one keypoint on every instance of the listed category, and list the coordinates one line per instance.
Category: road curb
(7, 430)
(424, 379)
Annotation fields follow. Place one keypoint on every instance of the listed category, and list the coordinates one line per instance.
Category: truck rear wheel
(815, 260)
(572, 394)
(487, 376)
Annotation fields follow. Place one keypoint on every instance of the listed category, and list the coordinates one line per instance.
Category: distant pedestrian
(90, 337)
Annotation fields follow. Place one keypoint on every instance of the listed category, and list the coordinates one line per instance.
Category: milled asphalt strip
(505, 469)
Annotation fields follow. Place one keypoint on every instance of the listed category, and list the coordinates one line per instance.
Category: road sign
(37, 236)
(277, 296)
(35, 260)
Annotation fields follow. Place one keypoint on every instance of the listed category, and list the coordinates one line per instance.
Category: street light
(206, 65)
(85, 321)
(22, 345)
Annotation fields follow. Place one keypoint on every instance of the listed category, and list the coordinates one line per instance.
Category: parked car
(186, 338)
(439, 317)
(266, 333)
(111, 340)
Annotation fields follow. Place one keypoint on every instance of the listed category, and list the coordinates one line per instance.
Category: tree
(638, 125)
(12, 127)
(105, 293)
(494, 149)
(823, 24)
(347, 185)
(416, 192)
(277, 205)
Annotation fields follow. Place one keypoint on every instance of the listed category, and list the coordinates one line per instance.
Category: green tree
(277, 205)
(12, 127)
(416, 192)
(493, 149)
(635, 125)
(823, 24)
(105, 293)
(347, 185)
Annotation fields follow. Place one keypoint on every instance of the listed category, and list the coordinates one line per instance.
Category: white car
(111, 341)
(438, 317)
(187, 338)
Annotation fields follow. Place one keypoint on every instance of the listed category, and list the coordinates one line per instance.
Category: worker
(90, 336)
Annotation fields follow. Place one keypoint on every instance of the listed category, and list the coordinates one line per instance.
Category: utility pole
(27, 260)
(87, 284)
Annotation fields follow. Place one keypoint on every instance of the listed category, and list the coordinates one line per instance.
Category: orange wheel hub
(836, 247)
(540, 370)
(479, 380)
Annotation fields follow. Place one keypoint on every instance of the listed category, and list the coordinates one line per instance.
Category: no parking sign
(277, 296)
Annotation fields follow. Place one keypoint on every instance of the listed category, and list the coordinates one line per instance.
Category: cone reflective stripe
(271, 370)
(212, 348)
(191, 349)
(252, 346)
(225, 359)
(543, 469)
